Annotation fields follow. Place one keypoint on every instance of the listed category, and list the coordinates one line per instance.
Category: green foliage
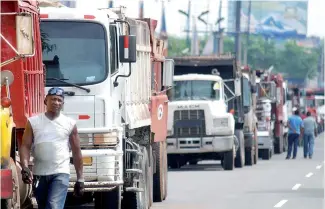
(297, 61)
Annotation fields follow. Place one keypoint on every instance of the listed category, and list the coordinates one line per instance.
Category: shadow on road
(199, 167)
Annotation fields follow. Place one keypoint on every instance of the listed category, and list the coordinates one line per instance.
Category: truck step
(134, 151)
(133, 189)
(133, 171)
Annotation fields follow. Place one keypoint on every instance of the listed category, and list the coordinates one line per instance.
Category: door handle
(166, 101)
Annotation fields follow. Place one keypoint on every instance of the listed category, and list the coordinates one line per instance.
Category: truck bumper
(200, 145)
(265, 142)
(102, 170)
(6, 184)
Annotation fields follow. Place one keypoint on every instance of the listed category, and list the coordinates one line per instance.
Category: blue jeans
(51, 191)
(309, 140)
(293, 140)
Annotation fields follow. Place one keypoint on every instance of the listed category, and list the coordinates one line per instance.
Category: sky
(176, 22)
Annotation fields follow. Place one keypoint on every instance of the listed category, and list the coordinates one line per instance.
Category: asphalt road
(276, 183)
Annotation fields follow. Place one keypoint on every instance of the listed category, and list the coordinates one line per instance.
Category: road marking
(318, 167)
(280, 204)
(309, 175)
(296, 187)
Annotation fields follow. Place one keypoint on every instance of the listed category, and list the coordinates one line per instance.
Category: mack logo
(188, 106)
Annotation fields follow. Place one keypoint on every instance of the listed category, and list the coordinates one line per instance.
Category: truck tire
(255, 147)
(158, 177)
(228, 160)
(240, 155)
(285, 142)
(151, 177)
(13, 203)
(165, 171)
(25, 190)
(108, 200)
(249, 156)
(278, 145)
(266, 154)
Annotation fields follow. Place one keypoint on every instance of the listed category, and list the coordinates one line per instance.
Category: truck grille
(189, 123)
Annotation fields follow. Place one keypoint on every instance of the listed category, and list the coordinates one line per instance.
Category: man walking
(295, 125)
(310, 132)
(49, 135)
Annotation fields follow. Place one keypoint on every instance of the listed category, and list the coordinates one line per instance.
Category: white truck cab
(199, 126)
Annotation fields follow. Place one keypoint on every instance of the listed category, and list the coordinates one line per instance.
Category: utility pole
(188, 22)
(238, 32)
(220, 33)
(248, 33)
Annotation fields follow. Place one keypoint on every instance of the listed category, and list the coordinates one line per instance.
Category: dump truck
(22, 93)
(115, 78)
(250, 124)
(207, 111)
(271, 85)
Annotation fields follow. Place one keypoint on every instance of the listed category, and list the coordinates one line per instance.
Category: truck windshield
(74, 52)
(196, 90)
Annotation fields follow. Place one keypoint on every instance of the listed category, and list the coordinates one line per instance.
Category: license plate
(87, 161)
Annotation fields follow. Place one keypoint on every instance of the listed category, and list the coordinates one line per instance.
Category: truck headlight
(220, 122)
(105, 139)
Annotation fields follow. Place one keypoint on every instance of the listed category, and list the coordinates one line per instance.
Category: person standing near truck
(310, 132)
(49, 135)
(295, 125)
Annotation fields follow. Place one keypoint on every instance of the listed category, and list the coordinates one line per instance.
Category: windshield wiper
(71, 84)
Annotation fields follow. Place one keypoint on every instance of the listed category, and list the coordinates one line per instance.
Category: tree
(297, 61)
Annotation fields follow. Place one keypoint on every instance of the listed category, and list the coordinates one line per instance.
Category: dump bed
(27, 90)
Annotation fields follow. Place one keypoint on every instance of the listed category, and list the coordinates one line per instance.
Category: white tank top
(51, 144)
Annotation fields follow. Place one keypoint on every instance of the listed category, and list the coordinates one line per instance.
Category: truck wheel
(285, 142)
(240, 155)
(108, 200)
(256, 147)
(148, 178)
(13, 203)
(278, 146)
(228, 160)
(266, 154)
(158, 177)
(249, 156)
(165, 171)
(151, 178)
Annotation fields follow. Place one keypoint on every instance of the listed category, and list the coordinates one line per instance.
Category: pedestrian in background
(295, 128)
(49, 135)
(310, 132)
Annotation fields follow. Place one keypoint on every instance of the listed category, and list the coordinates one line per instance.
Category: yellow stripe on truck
(6, 131)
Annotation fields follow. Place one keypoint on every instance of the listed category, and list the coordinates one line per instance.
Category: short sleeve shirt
(295, 122)
(309, 124)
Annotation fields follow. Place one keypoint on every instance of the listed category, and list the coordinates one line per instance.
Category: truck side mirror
(168, 73)
(25, 35)
(6, 77)
(237, 87)
(128, 48)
